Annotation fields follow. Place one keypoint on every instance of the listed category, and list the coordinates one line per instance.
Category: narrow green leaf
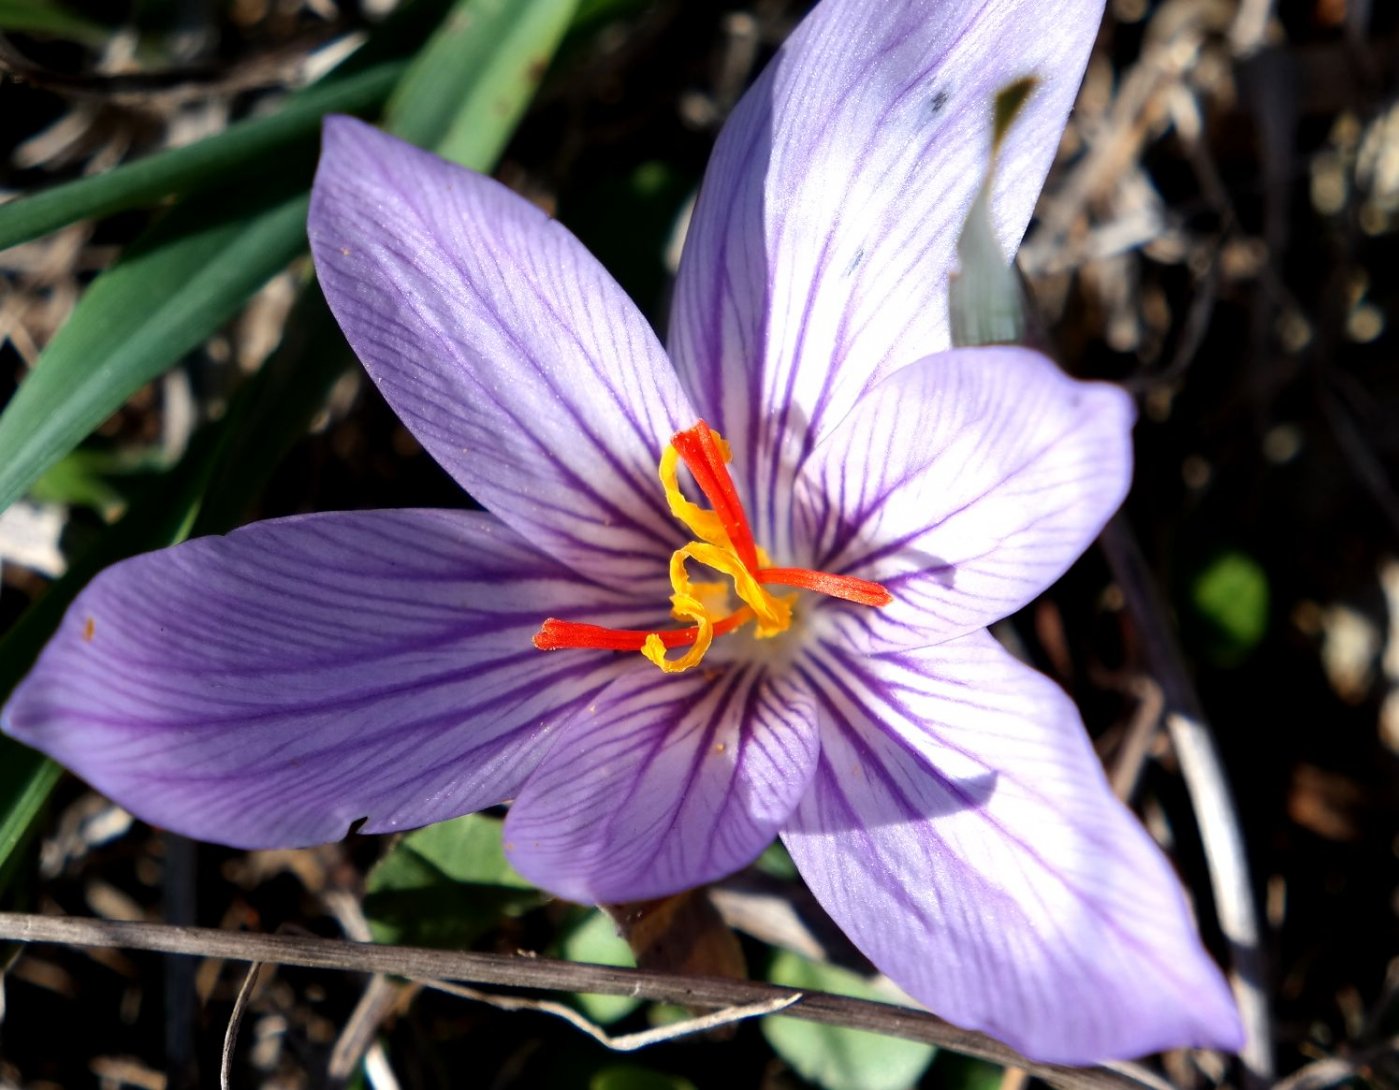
(46, 17)
(247, 149)
(186, 277)
(833, 1057)
(158, 302)
(274, 410)
(467, 90)
(984, 299)
(593, 15)
(162, 517)
(98, 479)
(26, 780)
(985, 303)
(1010, 100)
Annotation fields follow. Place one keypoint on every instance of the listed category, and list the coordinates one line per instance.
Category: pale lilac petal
(966, 484)
(664, 782)
(505, 348)
(272, 687)
(961, 832)
(818, 257)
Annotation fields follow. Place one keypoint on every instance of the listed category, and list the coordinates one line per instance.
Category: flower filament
(724, 542)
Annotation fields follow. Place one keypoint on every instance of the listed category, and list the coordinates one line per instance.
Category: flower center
(724, 543)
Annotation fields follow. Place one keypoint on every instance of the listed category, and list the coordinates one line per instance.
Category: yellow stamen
(725, 544)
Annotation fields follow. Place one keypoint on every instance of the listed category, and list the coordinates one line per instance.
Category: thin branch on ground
(1141, 731)
(381, 997)
(547, 974)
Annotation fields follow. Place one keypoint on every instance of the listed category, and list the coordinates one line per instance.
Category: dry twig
(548, 974)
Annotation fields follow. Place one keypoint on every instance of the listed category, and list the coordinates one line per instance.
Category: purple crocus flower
(278, 685)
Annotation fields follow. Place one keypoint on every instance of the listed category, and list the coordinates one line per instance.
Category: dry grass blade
(378, 1001)
(1334, 1070)
(627, 1042)
(235, 1020)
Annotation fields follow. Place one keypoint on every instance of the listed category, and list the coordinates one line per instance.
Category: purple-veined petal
(961, 831)
(271, 687)
(819, 253)
(966, 484)
(664, 782)
(511, 354)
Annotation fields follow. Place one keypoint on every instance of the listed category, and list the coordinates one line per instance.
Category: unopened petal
(965, 484)
(503, 345)
(818, 257)
(663, 783)
(961, 832)
(275, 686)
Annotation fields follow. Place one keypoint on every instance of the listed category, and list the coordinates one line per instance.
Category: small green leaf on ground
(97, 478)
(595, 940)
(445, 885)
(954, 1072)
(467, 849)
(1230, 596)
(776, 862)
(631, 1077)
(833, 1057)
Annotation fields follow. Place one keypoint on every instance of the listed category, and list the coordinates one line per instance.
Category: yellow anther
(772, 613)
(654, 650)
(703, 523)
(702, 603)
(725, 544)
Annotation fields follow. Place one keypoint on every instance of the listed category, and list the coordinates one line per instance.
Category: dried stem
(550, 975)
(1204, 777)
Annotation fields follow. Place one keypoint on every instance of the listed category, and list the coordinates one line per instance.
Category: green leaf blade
(184, 279)
(135, 321)
(1231, 601)
(834, 1057)
(47, 18)
(445, 885)
(595, 941)
(243, 150)
(466, 91)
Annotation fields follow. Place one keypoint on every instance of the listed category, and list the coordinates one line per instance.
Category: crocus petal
(272, 687)
(819, 253)
(961, 832)
(663, 783)
(516, 360)
(966, 484)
